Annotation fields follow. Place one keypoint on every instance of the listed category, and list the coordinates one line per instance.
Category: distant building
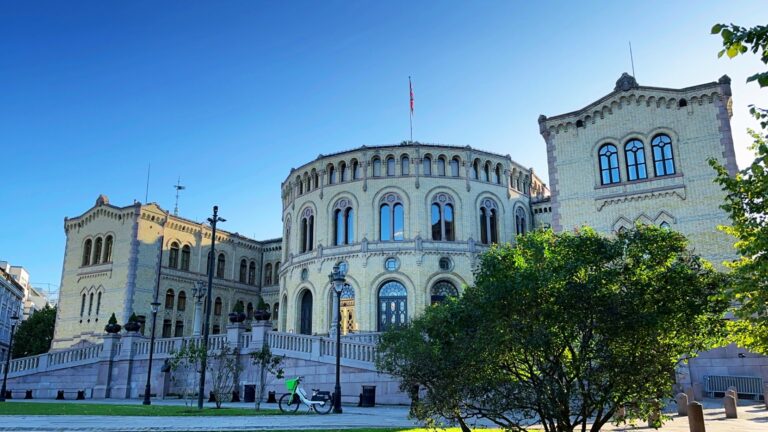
(34, 299)
(11, 300)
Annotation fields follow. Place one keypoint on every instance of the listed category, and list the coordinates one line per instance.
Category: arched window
(169, 299)
(90, 303)
(635, 154)
(376, 167)
(427, 165)
(609, 164)
(82, 306)
(220, 265)
(392, 305)
(331, 174)
(108, 249)
(343, 172)
(185, 254)
(664, 225)
(316, 182)
(455, 167)
(97, 250)
(301, 185)
(98, 303)
(275, 311)
(391, 218)
(217, 307)
(173, 255)
(356, 172)
(442, 290)
(87, 252)
(405, 165)
(442, 217)
(307, 230)
(488, 222)
(305, 314)
(243, 270)
(181, 303)
(249, 311)
(520, 223)
(252, 273)
(343, 222)
(663, 160)
(390, 166)
(268, 274)
(475, 172)
(497, 175)
(487, 172)
(441, 166)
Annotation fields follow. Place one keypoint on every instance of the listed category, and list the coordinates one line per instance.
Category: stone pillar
(729, 402)
(334, 315)
(104, 374)
(259, 331)
(732, 392)
(123, 385)
(197, 327)
(234, 330)
(696, 417)
(682, 404)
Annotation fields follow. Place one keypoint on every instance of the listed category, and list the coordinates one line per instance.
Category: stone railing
(357, 351)
(74, 355)
(372, 338)
(290, 342)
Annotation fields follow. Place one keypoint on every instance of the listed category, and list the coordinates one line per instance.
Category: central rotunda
(405, 222)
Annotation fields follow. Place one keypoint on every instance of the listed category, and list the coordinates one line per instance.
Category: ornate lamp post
(198, 292)
(337, 280)
(155, 306)
(211, 267)
(14, 318)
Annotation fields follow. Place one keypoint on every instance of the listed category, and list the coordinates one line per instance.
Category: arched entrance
(442, 290)
(305, 313)
(392, 305)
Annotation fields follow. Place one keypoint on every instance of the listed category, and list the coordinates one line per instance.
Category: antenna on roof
(632, 59)
(178, 188)
(146, 193)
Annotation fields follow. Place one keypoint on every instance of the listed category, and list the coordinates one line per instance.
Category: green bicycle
(321, 401)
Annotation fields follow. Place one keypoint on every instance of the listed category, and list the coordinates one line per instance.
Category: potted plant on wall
(261, 313)
(112, 327)
(237, 315)
(133, 325)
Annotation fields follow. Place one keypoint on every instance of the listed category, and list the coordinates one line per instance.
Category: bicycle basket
(291, 384)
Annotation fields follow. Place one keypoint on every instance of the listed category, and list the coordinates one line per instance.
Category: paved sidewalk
(752, 418)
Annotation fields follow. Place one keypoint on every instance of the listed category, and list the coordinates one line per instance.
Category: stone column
(104, 374)
(197, 327)
(259, 331)
(682, 404)
(234, 330)
(729, 402)
(696, 417)
(124, 386)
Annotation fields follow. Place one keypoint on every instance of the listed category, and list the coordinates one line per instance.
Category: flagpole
(410, 118)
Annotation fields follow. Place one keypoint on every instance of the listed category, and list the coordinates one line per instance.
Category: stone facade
(342, 209)
(111, 266)
(11, 301)
(696, 122)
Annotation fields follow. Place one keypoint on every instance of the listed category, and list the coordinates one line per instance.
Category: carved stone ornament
(626, 82)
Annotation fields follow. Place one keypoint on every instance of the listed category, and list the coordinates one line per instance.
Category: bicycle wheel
(325, 407)
(287, 404)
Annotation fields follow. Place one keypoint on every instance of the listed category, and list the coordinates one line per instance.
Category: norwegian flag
(410, 86)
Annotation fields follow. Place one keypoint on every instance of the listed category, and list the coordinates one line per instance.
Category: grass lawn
(42, 408)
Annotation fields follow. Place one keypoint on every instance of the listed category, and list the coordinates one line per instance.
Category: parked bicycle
(321, 401)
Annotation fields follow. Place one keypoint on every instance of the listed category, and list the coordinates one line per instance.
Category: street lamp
(14, 318)
(211, 260)
(337, 280)
(155, 306)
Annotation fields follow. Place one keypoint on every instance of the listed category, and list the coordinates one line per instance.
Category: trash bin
(250, 393)
(368, 398)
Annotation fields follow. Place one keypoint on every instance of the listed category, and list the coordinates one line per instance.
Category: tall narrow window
(343, 172)
(441, 166)
(185, 253)
(390, 166)
(475, 170)
(167, 328)
(108, 249)
(90, 304)
(82, 306)
(268, 275)
(243, 270)
(342, 222)
(169, 299)
(98, 303)
(350, 223)
(376, 167)
(316, 181)
(520, 223)
(356, 170)
(217, 306)
(497, 175)
(487, 173)
(220, 266)
(635, 154)
(663, 160)
(301, 185)
(488, 222)
(442, 217)
(307, 230)
(391, 218)
(331, 174)
(609, 164)
(405, 165)
(277, 273)
(252, 273)
(179, 330)
(97, 250)
(173, 255)
(455, 167)
(427, 163)
(87, 252)
(181, 304)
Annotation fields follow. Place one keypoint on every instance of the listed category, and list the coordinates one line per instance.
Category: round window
(445, 264)
(304, 274)
(391, 264)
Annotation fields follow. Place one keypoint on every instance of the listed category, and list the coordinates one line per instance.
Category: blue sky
(230, 95)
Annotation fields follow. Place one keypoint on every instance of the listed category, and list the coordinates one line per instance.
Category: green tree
(268, 367)
(746, 203)
(34, 335)
(562, 330)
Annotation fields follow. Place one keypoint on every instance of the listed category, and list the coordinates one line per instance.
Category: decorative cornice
(667, 191)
